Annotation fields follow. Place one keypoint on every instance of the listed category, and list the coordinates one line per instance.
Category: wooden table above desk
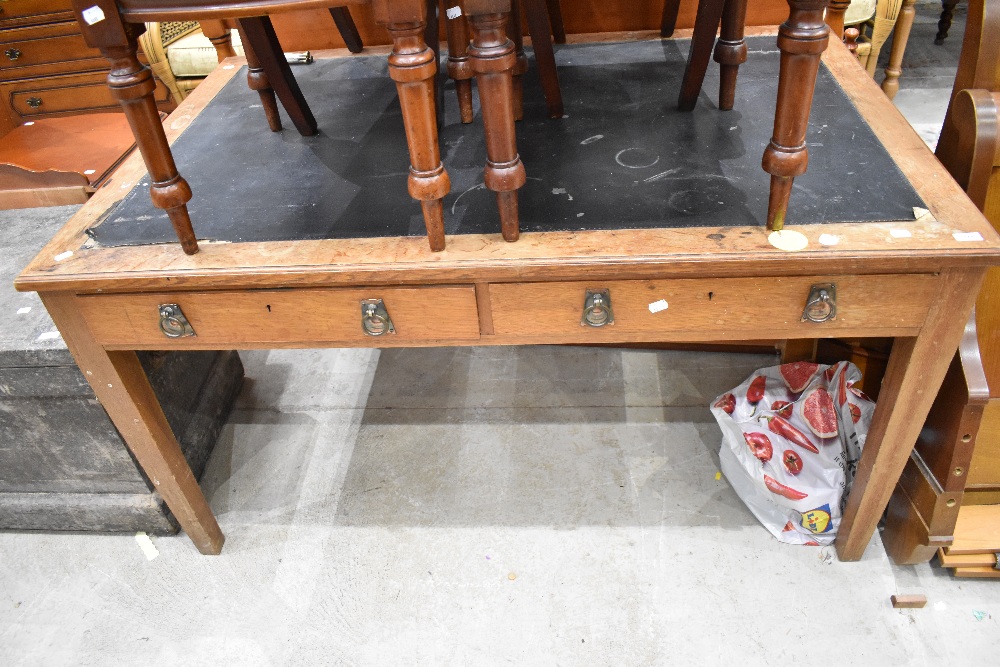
(911, 279)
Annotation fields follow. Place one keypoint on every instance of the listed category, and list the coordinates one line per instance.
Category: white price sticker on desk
(92, 15)
(454, 12)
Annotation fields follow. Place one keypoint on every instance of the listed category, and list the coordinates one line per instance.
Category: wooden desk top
(928, 244)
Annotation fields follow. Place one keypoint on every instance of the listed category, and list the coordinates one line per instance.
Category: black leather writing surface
(623, 158)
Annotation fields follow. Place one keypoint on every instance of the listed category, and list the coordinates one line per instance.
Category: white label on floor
(49, 335)
(93, 15)
(968, 236)
(454, 12)
(24, 311)
(146, 545)
(657, 306)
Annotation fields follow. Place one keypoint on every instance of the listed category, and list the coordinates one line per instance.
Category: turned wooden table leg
(944, 23)
(705, 24)
(802, 39)
(916, 369)
(132, 84)
(121, 386)
(516, 33)
(412, 65)
(900, 35)
(348, 30)
(459, 65)
(731, 50)
(493, 62)
(545, 57)
(835, 17)
(262, 40)
(258, 81)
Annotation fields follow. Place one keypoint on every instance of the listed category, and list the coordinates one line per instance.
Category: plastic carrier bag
(791, 439)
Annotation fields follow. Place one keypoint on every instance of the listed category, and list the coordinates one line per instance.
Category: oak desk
(911, 279)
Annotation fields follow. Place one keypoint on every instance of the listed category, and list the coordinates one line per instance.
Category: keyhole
(269, 308)
(710, 295)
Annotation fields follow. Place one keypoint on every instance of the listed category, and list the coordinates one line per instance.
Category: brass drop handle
(34, 102)
(12, 54)
(173, 323)
(821, 305)
(375, 320)
(597, 310)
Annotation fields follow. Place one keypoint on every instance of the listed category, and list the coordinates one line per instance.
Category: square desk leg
(917, 367)
(123, 389)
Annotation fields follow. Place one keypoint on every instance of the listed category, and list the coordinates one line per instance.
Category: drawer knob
(173, 324)
(821, 305)
(12, 54)
(597, 309)
(34, 102)
(375, 320)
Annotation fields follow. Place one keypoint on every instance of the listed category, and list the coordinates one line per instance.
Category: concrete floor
(484, 506)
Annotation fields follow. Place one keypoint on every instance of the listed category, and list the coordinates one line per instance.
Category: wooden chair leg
(545, 58)
(556, 19)
(263, 41)
(132, 85)
(258, 81)
(731, 50)
(459, 65)
(900, 35)
(944, 24)
(669, 19)
(412, 66)
(835, 17)
(218, 33)
(705, 24)
(348, 30)
(516, 34)
(493, 61)
(802, 40)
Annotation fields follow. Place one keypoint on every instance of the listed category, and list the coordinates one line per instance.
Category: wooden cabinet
(61, 132)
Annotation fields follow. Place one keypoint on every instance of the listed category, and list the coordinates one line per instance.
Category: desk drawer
(265, 318)
(46, 50)
(713, 309)
(64, 94)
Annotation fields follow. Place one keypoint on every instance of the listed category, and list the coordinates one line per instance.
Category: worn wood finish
(915, 365)
(493, 61)
(900, 35)
(943, 268)
(802, 40)
(120, 384)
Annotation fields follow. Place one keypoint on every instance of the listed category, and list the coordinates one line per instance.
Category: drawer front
(28, 12)
(65, 94)
(420, 315)
(46, 50)
(712, 309)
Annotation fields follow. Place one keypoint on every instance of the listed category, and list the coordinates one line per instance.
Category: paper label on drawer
(93, 15)
(454, 12)
(968, 236)
(657, 306)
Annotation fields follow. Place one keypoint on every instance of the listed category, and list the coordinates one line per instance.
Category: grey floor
(487, 506)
